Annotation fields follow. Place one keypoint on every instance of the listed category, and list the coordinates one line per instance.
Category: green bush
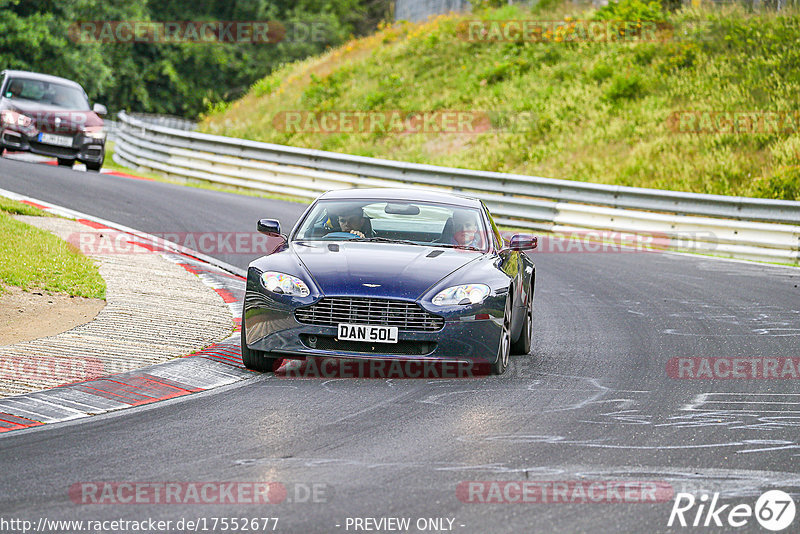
(625, 87)
(631, 10)
(784, 184)
(601, 72)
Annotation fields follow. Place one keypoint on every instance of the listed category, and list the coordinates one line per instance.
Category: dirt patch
(28, 315)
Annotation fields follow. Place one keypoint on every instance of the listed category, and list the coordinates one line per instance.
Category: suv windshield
(49, 93)
(415, 223)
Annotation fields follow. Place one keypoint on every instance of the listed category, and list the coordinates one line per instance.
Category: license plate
(58, 140)
(369, 333)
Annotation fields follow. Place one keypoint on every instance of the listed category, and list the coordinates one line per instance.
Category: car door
(511, 263)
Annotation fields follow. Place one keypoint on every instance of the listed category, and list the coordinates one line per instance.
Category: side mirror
(523, 242)
(269, 227)
(100, 109)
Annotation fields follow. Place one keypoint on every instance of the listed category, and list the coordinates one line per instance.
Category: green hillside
(624, 112)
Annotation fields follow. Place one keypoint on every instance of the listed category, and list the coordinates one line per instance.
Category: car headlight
(11, 118)
(464, 294)
(98, 133)
(284, 284)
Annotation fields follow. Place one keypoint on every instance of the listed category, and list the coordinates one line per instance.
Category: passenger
(355, 222)
(15, 89)
(465, 230)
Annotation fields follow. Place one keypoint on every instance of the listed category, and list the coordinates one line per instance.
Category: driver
(355, 222)
(465, 230)
(15, 88)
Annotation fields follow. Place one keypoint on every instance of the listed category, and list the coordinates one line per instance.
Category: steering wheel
(339, 235)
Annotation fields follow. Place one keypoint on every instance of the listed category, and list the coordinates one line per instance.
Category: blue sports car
(390, 274)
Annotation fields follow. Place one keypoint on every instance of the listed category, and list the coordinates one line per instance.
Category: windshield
(417, 223)
(46, 93)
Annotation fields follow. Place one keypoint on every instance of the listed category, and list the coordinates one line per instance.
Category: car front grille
(406, 316)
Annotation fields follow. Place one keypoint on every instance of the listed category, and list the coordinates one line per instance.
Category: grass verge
(31, 258)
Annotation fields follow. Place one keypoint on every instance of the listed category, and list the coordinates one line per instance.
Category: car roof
(40, 77)
(403, 194)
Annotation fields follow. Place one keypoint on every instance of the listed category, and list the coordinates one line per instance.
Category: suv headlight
(12, 118)
(464, 294)
(284, 284)
(95, 133)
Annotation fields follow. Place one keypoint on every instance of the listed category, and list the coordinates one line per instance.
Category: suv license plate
(57, 140)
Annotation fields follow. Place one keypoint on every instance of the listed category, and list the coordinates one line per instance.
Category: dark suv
(50, 116)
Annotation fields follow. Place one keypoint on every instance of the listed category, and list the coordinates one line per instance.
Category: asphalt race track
(592, 402)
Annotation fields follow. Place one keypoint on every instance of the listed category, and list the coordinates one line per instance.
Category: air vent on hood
(434, 253)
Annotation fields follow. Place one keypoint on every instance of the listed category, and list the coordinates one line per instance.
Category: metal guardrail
(742, 227)
(168, 121)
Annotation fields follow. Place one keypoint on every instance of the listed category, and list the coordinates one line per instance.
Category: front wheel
(504, 348)
(66, 162)
(257, 360)
(95, 167)
(523, 344)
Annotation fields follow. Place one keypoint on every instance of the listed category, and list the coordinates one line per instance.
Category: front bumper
(271, 326)
(85, 149)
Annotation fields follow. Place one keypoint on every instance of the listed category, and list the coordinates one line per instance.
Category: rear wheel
(66, 162)
(504, 348)
(257, 360)
(523, 344)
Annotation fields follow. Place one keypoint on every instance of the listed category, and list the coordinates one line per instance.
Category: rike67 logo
(774, 510)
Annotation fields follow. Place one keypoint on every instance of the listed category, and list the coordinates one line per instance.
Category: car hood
(71, 121)
(379, 269)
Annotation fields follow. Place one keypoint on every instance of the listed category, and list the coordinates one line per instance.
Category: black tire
(523, 344)
(66, 162)
(95, 167)
(504, 349)
(258, 360)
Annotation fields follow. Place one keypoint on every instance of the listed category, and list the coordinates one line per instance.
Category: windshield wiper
(449, 245)
(384, 240)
